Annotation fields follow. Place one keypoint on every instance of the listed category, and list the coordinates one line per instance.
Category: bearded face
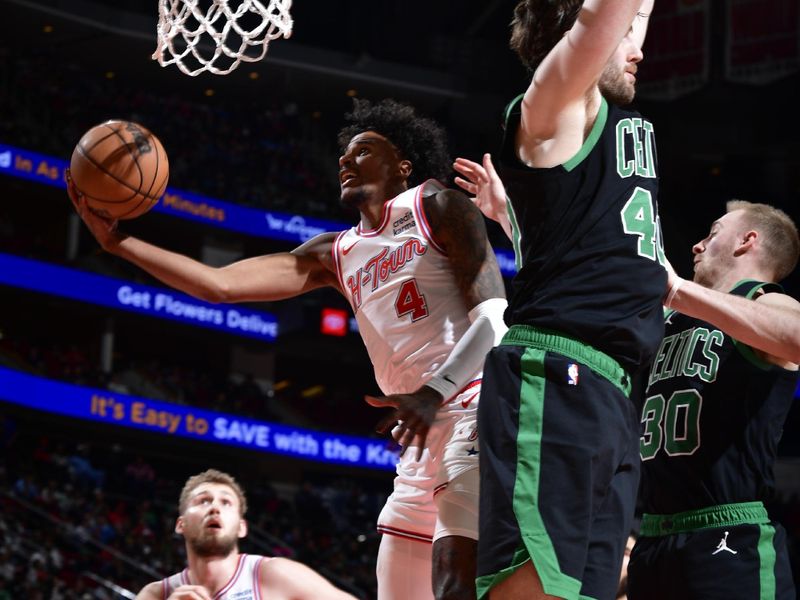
(617, 85)
(211, 522)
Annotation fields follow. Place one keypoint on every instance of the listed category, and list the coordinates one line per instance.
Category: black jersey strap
(748, 288)
(509, 109)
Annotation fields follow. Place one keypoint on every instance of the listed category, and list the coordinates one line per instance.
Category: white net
(217, 35)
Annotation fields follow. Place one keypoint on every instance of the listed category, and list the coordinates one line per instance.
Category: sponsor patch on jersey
(572, 374)
(404, 223)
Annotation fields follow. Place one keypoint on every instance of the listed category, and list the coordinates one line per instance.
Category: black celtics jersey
(712, 419)
(587, 238)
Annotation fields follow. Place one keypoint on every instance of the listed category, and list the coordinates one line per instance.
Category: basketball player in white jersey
(212, 508)
(426, 290)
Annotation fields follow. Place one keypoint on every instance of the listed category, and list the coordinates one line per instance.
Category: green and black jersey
(712, 419)
(587, 238)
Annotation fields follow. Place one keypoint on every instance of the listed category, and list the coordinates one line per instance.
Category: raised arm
(641, 22)
(562, 95)
(264, 278)
(285, 579)
(770, 323)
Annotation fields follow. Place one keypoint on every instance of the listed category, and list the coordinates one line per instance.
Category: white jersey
(403, 292)
(243, 585)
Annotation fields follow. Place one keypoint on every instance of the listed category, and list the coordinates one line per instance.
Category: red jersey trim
(384, 220)
(402, 533)
(230, 584)
(257, 579)
(336, 254)
(424, 225)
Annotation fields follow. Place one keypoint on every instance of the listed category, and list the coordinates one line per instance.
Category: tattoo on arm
(460, 228)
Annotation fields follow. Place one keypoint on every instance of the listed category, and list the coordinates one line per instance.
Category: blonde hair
(778, 232)
(211, 476)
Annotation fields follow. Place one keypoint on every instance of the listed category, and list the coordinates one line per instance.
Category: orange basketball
(120, 168)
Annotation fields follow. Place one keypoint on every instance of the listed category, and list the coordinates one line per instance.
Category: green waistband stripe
(766, 555)
(551, 341)
(724, 515)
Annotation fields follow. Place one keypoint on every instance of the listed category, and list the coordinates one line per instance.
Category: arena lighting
(194, 424)
(146, 300)
(194, 207)
(334, 322)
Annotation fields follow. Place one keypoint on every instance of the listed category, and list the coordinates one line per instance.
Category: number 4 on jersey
(640, 219)
(411, 301)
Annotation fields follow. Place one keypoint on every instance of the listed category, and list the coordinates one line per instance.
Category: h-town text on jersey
(377, 269)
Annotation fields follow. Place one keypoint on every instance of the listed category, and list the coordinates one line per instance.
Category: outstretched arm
(483, 182)
(769, 324)
(285, 579)
(460, 228)
(263, 278)
(556, 105)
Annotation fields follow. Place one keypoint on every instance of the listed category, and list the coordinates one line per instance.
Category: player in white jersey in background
(423, 281)
(212, 508)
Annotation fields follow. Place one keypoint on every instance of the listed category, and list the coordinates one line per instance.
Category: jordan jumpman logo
(723, 545)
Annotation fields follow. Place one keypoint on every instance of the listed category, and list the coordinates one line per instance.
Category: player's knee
(454, 585)
(455, 542)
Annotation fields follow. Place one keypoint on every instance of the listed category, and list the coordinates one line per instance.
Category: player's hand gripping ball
(120, 168)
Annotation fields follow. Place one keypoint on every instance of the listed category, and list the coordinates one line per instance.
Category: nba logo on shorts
(572, 374)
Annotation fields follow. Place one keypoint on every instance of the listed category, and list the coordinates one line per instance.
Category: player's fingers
(397, 433)
(467, 186)
(422, 437)
(382, 402)
(408, 436)
(387, 423)
(464, 163)
(468, 169)
(190, 592)
(488, 165)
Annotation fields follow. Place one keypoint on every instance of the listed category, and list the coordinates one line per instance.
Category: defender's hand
(483, 182)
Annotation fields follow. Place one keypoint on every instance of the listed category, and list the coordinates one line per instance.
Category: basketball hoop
(217, 35)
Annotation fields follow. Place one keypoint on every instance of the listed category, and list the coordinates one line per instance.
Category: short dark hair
(538, 25)
(211, 476)
(418, 139)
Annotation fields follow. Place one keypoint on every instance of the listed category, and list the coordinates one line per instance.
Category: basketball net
(219, 37)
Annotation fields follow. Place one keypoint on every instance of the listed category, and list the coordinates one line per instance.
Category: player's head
(761, 234)
(386, 146)
(537, 27)
(212, 506)
(618, 79)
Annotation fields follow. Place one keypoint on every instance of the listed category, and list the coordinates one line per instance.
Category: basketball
(121, 169)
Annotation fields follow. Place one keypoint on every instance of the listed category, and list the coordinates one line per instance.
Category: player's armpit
(285, 579)
(458, 226)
